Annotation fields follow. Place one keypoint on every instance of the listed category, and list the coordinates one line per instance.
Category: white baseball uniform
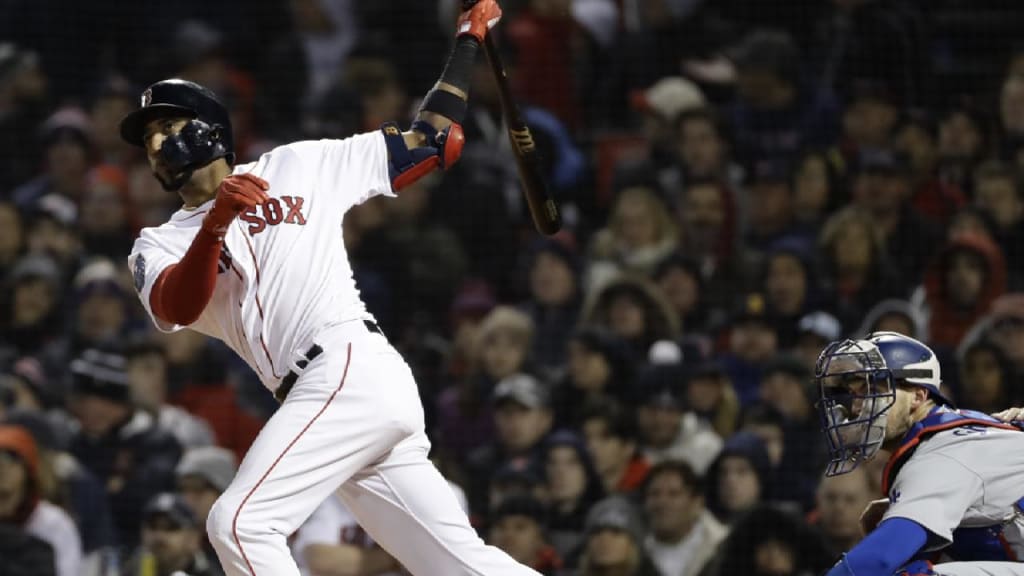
(964, 485)
(353, 418)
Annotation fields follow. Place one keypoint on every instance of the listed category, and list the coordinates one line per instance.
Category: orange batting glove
(235, 195)
(479, 19)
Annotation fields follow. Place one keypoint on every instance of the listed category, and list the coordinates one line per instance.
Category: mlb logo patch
(147, 97)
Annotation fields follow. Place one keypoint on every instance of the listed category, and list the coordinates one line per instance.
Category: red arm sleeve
(183, 290)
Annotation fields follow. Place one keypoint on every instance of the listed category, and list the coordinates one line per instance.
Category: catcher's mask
(857, 381)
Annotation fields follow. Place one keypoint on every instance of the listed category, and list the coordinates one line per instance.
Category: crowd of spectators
(741, 181)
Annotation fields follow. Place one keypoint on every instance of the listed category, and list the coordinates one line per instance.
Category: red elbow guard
(406, 166)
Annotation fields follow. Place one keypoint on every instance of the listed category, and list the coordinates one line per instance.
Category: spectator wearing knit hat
(667, 430)
(103, 306)
(614, 541)
(202, 475)
(68, 154)
(123, 447)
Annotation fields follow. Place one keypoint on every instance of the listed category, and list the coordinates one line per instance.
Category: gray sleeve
(935, 491)
(980, 569)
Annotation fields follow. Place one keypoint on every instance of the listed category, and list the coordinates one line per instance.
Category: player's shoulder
(962, 442)
(307, 148)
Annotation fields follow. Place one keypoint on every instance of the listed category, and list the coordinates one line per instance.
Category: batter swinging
(255, 258)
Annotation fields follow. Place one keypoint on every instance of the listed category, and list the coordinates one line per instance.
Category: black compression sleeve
(458, 73)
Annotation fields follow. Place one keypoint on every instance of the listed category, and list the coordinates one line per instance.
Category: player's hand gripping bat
(543, 209)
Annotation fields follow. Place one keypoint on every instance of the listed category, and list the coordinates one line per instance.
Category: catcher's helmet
(857, 382)
(177, 97)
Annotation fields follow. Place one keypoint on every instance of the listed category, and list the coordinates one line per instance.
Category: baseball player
(255, 258)
(954, 478)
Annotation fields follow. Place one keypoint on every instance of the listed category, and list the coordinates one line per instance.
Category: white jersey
(962, 478)
(332, 524)
(284, 271)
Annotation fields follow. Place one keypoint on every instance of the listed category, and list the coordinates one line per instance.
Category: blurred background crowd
(742, 182)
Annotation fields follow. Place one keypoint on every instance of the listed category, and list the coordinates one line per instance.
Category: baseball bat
(543, 210)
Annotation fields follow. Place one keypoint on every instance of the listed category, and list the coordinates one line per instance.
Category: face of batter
(203, 183)
(156, 133)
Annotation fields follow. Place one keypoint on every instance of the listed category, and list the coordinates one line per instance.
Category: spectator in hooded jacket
(636, 311)
(21, 503)
(573, 487)
(554, 300)
(961, 284)
(790, 288)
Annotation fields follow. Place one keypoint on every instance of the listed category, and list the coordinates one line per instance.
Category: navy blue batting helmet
(176, 97)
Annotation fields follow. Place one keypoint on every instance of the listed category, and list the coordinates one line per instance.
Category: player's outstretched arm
(883, 551)
(435, 139)
(183, 290)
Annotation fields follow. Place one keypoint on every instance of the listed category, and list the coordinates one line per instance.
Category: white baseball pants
(353, 419)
